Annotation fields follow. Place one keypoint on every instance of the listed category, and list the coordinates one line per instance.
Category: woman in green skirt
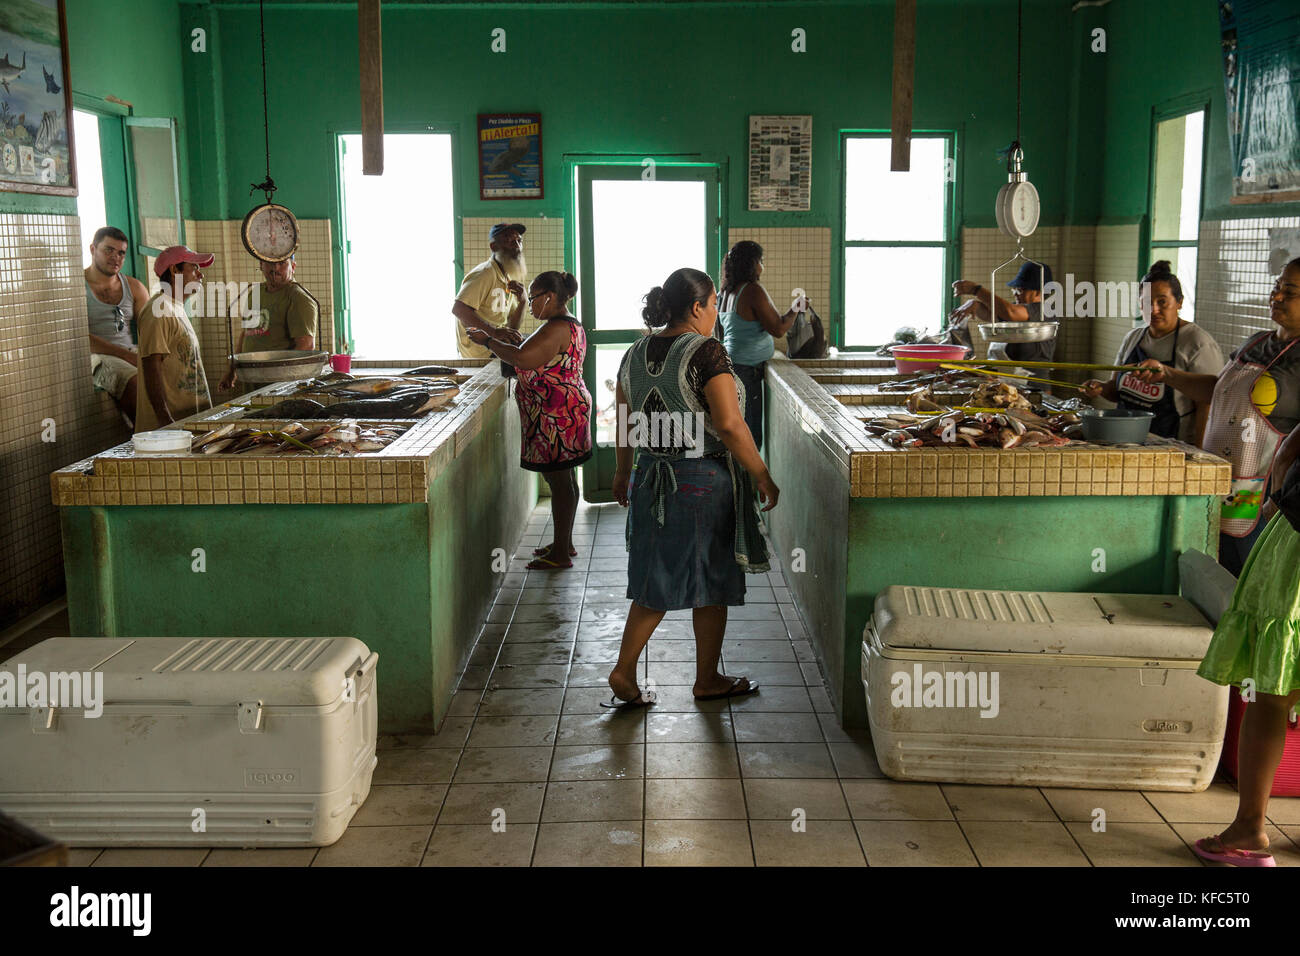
(1258, 638)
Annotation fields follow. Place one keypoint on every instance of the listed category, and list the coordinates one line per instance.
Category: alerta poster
(510, 155)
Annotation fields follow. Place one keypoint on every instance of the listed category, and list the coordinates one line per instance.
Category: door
(637, 222)
(154, 184)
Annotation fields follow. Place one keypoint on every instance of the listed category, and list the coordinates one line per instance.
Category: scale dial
(270, 233)
(1018, 209)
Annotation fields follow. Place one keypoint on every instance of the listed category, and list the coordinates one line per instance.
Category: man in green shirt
(287, 320)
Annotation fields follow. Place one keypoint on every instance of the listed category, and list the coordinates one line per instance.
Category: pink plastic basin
(910, 359)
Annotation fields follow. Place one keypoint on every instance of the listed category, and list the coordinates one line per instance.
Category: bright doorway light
(91, 209)
(642, 233)
(400, 242)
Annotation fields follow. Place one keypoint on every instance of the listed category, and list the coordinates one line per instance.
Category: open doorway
(634, 230)
(399, 250)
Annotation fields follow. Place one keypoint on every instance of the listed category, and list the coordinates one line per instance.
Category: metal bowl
(1018, 331)
(283, 365)
(1121, 425)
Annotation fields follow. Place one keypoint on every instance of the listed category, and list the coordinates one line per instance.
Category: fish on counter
(345, 437)
(290, 408)
(1013, 428)
(376, 386)
(432, 370)
(408, 402)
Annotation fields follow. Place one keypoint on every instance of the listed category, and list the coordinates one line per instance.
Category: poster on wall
(36, 152)
(1261, 75)
(780, 163)
(510, 155)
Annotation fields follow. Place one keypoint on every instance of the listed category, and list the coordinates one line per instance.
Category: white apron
(1237, 431)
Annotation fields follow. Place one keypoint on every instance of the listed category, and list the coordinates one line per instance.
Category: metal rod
(1027, 378)
(1012, 363)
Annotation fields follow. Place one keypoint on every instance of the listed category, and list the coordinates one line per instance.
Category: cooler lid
(278, 671)
(1146, 626)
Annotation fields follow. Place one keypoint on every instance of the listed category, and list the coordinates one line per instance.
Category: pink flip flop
(1231, 855)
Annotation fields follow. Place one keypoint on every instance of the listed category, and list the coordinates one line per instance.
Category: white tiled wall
(44, 380)
(1117, 261)
(793, 258)
(314, 271)
(1234, 276)
(543, 250)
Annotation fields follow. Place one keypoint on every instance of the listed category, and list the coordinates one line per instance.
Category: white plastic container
(248, 742)
(164, 441)
(1079, 690)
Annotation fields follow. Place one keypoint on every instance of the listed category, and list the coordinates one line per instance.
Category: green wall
(1163, 53)
(130, 51)
(644, 80)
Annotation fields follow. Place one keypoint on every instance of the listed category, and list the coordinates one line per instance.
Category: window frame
(342, 317)
(1171, 110)
(950, 244)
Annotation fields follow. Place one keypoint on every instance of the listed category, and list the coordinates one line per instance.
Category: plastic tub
(910, 359)
(167, 441)
(1120, 425)
(341, 363)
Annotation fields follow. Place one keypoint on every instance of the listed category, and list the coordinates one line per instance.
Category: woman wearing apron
(1254, 404)
(1169, 339)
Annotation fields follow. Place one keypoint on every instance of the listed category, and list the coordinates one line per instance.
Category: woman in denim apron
(1237, 428)
(1175, 416)
(692, 528)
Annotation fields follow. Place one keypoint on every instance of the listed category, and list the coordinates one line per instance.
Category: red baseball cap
(173, 255)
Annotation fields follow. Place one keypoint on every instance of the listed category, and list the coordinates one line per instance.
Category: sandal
(642, 699)
(546, 564)
(543, 552)
(733, 690)
(1212, 849)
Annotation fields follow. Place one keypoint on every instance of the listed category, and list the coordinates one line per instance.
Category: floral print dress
(555, 409)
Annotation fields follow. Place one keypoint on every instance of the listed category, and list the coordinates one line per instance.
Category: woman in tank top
(749, 324)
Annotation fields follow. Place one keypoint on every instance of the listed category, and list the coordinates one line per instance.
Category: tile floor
(764, 780)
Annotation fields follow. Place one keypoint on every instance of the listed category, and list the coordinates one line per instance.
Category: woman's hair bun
(655, 312)
(1163, 267)
(570, 283)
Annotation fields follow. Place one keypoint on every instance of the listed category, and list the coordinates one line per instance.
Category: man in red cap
(175, 385)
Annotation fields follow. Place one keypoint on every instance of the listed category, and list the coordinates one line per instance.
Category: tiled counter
(396, 547)
(1079, 517)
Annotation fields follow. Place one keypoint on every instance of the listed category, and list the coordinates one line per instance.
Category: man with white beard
(492, 296)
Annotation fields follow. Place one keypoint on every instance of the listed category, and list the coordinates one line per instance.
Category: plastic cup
(341, 363)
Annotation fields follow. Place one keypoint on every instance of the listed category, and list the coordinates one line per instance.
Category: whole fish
(405, 405)
(213, 436)
(289, 408)
(431, 370)
(365, 386)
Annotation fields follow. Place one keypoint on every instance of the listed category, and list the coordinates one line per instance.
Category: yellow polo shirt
(486, 291)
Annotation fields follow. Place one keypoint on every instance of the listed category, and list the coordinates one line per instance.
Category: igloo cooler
(245, 742)
(1041, 689)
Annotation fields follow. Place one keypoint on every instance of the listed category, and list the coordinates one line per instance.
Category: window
(385, 317)
(1176, 199)
(91, 204)
(898, 237)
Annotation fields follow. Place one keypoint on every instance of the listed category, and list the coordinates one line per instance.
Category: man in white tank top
(112, 301)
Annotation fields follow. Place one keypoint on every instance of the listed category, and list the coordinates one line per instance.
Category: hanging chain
(268, 186)
(1020, 43)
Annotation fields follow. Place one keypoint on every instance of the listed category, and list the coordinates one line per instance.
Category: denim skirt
(690, 561)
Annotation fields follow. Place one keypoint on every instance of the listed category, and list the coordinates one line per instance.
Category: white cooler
(247, 742)
(1092, 690)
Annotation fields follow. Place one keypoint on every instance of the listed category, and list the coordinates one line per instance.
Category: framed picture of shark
(36, 148)
(510, 155)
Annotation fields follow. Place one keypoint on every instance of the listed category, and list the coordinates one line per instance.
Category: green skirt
(1259, 635)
